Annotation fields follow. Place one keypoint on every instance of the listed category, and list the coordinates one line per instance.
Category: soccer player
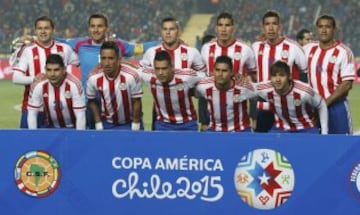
(171, 91)
(243, 57)
(88, 49)
(331, 73)
(304, 36)
(275, 47)
(226, 100)
(119, 87)
(60, 94)
(30, 66)
(292, 102)
(182, 55)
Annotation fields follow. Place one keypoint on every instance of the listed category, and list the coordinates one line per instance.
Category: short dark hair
(110, 45)
(162, 55)
(279, 66)
(170, 19)
(225, 15)
(44, 18)
(271, 13)
(98, 16)
(225, 59)
(301, 33)
(55, 59)
(328, 17)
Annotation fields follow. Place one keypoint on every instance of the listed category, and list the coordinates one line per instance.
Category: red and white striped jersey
(116, 93)
(293, 111)
(286, 50)
(182, 56)
(242, 55)
(173, 101)
(228, 108)
(33, 58)
(59, 103)
(329, 67)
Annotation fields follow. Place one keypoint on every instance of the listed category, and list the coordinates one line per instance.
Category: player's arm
(137, 107)
(96, 113)
(34, 105)
(341, 91)
(323, 115)
(80, 119)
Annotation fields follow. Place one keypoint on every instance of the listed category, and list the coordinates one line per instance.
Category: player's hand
(39, 77)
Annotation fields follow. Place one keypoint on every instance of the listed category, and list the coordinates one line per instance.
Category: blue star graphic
(256, 173)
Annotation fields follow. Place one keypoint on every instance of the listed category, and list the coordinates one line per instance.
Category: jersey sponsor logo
(37, 174)
(354, 181)
(264, 179)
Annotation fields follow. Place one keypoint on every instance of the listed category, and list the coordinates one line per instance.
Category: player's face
(224, 30)
(325, 30)
(55, 74)
(164, 71)
(170, 33)
(223, 75)
(109, 62)
(44, 32)
(98, 30)
(271, 28)
(307, 39)
(281, 81)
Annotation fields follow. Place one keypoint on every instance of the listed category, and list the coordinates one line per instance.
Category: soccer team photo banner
(119, 172)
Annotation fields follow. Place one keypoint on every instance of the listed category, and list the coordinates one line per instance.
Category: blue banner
(119, 172)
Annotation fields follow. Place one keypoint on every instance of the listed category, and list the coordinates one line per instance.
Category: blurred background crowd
(138, 20)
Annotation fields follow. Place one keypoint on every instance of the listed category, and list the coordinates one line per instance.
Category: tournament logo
(264, 179)
(37, 174)
(355, 181)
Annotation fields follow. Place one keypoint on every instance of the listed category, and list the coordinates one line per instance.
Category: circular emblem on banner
(355, 181)
(37, 174)
(264, 179)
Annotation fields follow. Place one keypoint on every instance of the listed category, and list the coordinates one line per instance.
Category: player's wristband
(135, 126)
(99, 126)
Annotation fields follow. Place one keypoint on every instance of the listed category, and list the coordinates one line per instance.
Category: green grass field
(11, 95)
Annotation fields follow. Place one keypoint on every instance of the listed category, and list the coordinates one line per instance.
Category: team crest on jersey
(180, 87)
(354, 181)
(236, 98)
(67, 94)
(297, 102)
(237, 55)
(333, 59)
(264, 179)
(285, 54)
(122, 86)
(37, 174)
(184, 56)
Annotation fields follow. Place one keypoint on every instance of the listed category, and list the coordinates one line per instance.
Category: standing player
(88, 49)
(243, 57)
(119, 87)
(30, 66)
(60, 94)
(274, 48)
(226, 100)
(331, 73)
(182, 56)
(304, 36)
(171, 91)
(292, 102)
